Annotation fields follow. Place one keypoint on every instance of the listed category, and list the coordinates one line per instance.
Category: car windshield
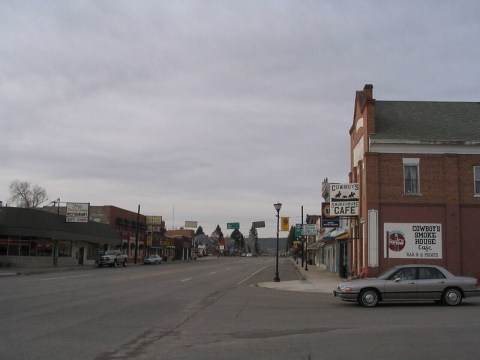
(110, 252)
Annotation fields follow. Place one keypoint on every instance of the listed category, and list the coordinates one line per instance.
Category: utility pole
(136, 234)
(301, 239)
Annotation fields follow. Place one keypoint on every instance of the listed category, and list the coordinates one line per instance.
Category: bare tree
(24, 194)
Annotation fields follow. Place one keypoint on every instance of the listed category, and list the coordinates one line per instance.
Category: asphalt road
(214, 310)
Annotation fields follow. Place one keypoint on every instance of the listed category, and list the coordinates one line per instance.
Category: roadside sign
(258, 224)
(77, 212)
(234, 225)
(298, 230)
(309, 229)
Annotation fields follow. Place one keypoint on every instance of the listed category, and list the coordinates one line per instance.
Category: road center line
(187, 279)
(212, 273)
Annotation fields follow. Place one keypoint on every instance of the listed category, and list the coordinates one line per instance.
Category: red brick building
(418, 166)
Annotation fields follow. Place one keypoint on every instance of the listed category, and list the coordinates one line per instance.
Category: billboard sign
(191, 224)
(77, 212)
(344, 199)
(153, 220)
(413, 241)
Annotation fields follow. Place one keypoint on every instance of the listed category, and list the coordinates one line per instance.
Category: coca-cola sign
(396, 241)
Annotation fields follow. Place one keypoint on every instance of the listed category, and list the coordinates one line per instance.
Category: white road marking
(64, 277)
(187, 279)
(255, 273)
(212, 273)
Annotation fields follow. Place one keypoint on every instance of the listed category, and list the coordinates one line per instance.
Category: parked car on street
(112, 258)
(152, 260)
(410, 283)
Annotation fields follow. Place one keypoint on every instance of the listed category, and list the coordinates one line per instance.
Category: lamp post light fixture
(277, 206)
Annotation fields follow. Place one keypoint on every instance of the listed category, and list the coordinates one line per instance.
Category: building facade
(35, 238)
(418, 167)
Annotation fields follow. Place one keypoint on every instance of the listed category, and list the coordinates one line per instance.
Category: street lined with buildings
(222, 308)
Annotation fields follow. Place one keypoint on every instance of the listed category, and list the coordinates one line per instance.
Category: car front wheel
(368, 298)
(452, 297)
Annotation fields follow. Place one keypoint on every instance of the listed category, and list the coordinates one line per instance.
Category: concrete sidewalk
(312, 280)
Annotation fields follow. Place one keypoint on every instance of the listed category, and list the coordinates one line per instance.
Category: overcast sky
(213, 110)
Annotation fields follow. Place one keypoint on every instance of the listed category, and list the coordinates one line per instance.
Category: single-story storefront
(35, 238)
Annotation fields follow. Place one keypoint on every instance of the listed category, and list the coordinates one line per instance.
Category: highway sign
(234, 225)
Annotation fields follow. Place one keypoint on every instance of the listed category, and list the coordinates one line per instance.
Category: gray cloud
(216, 109)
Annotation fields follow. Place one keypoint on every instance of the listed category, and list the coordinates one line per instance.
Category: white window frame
(411, 162)
(476, 181)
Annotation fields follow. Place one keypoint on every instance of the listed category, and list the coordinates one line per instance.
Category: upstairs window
(476, 180)
(411, 176)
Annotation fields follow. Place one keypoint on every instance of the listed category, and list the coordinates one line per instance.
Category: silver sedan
(410, 283)
(152, 259)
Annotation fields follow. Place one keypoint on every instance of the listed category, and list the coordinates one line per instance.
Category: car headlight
(345, 288)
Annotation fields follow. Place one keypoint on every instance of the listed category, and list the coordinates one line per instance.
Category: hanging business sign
(413, 241)
(77, 212)
(344, 199)
(327, 219)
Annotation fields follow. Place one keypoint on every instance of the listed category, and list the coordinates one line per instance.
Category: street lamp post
(277, 206)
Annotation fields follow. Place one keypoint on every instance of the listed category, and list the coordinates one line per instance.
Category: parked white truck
(112, 258)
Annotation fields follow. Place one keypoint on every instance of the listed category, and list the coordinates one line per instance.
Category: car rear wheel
(368, 298)
(452, 297)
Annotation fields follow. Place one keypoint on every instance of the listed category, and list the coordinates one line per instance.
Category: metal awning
(344, 236)
(315, 246)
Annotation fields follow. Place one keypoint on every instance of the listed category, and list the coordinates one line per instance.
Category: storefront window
(65, 248)
(42, 248)
(92, 251)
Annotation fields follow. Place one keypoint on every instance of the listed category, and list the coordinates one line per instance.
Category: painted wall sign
(413, 241)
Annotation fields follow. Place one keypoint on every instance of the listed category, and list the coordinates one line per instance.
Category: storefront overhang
(344, 236)
(27, 222)
(315, 246)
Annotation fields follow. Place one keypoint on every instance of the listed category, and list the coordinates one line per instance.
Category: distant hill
(271, 244)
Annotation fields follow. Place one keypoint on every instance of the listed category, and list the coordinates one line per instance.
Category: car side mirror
(398, 279)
